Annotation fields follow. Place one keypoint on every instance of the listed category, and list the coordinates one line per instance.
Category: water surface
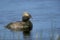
(45, 19)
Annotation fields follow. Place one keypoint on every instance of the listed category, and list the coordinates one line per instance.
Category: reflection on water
(27, 35)
(33, 35)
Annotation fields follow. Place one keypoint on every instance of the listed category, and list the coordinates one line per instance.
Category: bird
(24, 25)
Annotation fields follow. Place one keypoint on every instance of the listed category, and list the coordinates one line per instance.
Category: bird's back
(15, 25)
(19, 25)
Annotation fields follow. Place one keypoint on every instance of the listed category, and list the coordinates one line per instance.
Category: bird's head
(26, 16)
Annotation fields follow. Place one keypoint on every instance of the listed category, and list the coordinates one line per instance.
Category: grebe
(24, 25)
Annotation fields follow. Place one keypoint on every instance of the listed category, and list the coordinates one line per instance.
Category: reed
(36, 36)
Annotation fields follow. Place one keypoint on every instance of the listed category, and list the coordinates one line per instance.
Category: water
(45, 19)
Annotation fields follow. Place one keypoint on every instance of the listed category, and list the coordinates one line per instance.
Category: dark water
(45, 19)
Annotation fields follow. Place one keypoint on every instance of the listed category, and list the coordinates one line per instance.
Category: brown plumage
(24, 25)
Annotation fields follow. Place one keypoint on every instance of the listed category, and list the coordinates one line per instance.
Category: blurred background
(45, 19)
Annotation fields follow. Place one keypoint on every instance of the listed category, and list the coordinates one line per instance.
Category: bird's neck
(25, 20)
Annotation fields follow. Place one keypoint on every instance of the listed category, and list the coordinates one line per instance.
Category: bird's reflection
(27, 35)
